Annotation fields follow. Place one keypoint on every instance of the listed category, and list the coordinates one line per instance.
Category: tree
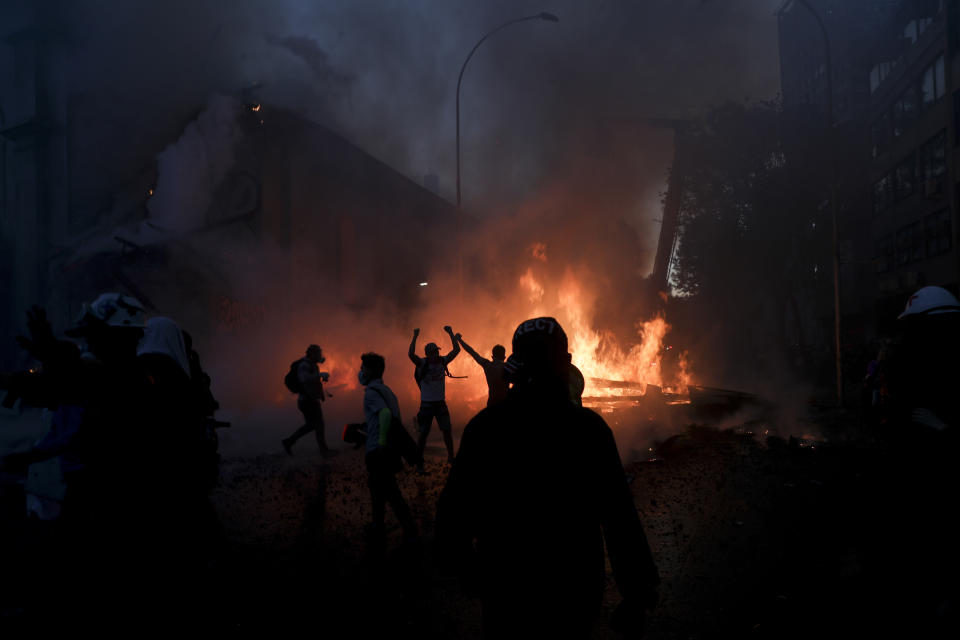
(753, 252)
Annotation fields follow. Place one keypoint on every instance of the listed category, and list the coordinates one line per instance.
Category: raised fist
(448, 329)
(416, 332)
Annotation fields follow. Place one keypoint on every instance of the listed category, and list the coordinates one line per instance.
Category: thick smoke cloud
(384, 74)
(556, 148)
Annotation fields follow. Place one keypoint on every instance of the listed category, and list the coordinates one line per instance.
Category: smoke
(190, 169)
(384, 74)
(556, 151)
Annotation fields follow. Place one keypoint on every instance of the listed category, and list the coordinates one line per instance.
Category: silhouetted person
(431, 374)
(925, 367)
(577, 385)
(923, 381)
(109, 504)
(512, 510)
(199, 379)
(311, 394)
(497, 385)
(381, 411)
(182, 523)
(206, 406)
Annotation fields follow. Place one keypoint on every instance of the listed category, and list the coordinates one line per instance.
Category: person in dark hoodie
(503, 508)
(181, 524)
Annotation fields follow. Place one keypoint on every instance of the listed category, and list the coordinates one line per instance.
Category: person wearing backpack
(381, 411)
(431, 373)
(306, 380)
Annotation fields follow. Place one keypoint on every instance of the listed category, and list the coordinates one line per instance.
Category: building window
(905, 111)
(882, 194)
(905, 177)
(885, 254)
(938, 233)
(933, 85)
(910, 32)
(880, 134)
(933, 163)
(910, 243)
(878, 74)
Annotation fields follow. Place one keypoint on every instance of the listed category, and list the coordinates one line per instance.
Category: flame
(598, 353)
(533, 288)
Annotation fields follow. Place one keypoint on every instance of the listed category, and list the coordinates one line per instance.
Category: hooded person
(176, 417)
(108, 511)
(508, 507)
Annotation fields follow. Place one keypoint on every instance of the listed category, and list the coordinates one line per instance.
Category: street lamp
(548, 17)
(833, 195)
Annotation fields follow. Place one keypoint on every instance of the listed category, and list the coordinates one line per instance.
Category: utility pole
(835, 205)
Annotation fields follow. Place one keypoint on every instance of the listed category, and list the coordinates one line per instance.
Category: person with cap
(431, 373)
(310, 395)
(381, 412)
(497, 385)
(503, 509)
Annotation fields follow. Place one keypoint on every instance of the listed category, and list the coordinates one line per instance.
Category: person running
(497, 385)
(504, 509)
(431, 373)
(311, 394)
(381, 412)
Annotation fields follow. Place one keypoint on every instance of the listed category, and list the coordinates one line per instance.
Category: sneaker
(287, 446)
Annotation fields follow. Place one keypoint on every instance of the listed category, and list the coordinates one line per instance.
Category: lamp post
(835, 206)
(548, 17)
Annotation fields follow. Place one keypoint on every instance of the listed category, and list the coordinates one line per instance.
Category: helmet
(930, 301)
(111, 309)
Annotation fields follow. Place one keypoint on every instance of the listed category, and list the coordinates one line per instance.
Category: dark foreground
(753, 536)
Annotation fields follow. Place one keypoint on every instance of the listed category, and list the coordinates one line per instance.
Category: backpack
(292, 380)
(399, 441)
(420, 372)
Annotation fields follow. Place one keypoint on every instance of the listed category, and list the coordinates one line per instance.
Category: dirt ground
(754, 537)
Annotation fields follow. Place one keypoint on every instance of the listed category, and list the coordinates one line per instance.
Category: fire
(598, 353)
(533, 288)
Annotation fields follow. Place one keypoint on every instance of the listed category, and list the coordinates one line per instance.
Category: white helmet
(929, 301)
(112, 309)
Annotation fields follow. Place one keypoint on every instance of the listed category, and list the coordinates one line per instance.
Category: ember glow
(602, 358)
